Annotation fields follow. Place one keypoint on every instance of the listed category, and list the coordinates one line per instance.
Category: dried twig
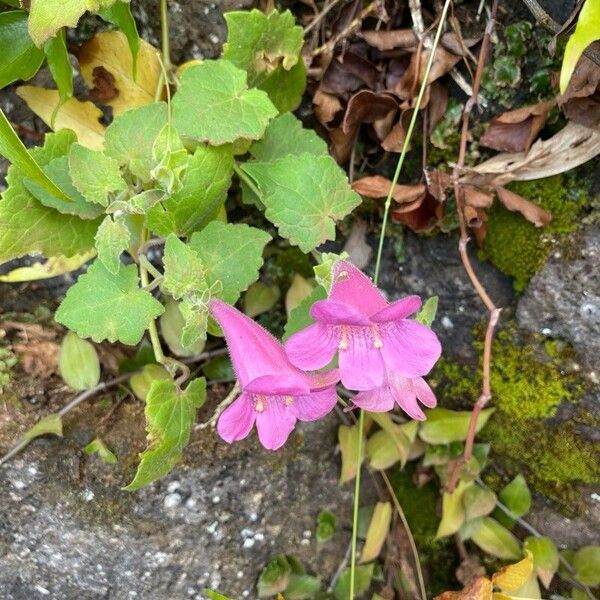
(494, 312)
(317, 20)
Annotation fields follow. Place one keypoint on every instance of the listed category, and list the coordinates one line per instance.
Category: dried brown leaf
(390, 40)
(104, 89)
(38, 358)
(422, 215)
(377, 186)
(342, 143)
(479, 589)
(327, 106)
(476, 197)
(516, 203)
(515, 130)
(438, 182)
(367, 107)
(394, 140)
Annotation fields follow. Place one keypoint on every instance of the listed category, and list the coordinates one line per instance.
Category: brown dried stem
(494, 312)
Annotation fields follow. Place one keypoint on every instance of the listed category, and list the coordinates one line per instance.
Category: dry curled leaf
(81, 117)
(367, 107)
(572, 146)
(390, 40)
(377, 186)
(477, 198)
(515, 130)
(479, 589)
(516, 203)
(104, 89)
(326, 106)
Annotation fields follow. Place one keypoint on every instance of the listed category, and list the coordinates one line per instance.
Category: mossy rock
(515, 245)
(529, 381)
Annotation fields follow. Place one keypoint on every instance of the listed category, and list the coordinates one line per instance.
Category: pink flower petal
(405, 395)
(275, 423)
(409, 348)
(361, 364)
(272, 385)
(380, 399)
(236, 421)
(254, 351)
(351, 286)
(315, 405)
(337, 313)
(313, 347)
(398, 310)
(424, 392)
(319, 381)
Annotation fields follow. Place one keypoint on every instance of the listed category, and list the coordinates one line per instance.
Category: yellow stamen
(259, 406)
(377, 341)
(288, 400)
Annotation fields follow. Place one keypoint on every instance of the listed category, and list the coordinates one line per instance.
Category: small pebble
(172, 500)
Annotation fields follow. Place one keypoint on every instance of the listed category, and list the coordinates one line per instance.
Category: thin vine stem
(164, 30)
(493, 310)
(407, 139)
(386, 211)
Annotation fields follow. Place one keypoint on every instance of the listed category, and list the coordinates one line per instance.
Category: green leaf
(586, 563)
(184, 269)
(94, 174)
(545, 557)
(171, 160)
(12, 148)
(348, 438)
(46, 17)
(260, 298)
(516, 496)
(57, 56)
(274, 577)
(28, 226)
(78, 363)
(304, 195)
(302, 587)
(109, 307)
(215, 595)
(285, 88)
(379, 527)
(112, 238)
(478, 502)
(50, 424)
(21, 59)
(203, 193)
(586, 31)
(97, 446)
(496, 540)
(324, 269)
(141, 203)
(232, 255)
(195, 315)
(453, 511)
(58, 170)
(382, 451)
(129, 139)
(142, 382)
(285, 135)
(172, 325)
(170, 416)
(259, 43)
(299, 317)
(213, 104)
(444, 426)
(326, 526)
(426, 315)
(119, 14)
(362, 581)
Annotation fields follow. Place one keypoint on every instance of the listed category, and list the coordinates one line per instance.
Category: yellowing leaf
(298, 291)
(107, 56)
(46, 17)
(53, 267)
(348, 438)
(379, 528)
(81, 117)
(453, 511)
(512, 577)
(586, 31)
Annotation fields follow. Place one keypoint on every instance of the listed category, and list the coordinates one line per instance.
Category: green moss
(7, 361)
(517, 247)
(528, 384)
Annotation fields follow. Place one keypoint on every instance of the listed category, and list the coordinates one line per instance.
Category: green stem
(152, 329)
(388, 203)
(361, 426)
(164, 30)
(407, 139)
(246, 179)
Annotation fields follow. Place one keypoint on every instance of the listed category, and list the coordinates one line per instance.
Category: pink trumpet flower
(399, 390)
(373, 337)
(274, 393)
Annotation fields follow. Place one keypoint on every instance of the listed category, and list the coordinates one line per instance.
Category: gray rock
(563, 299)
(68, 532)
